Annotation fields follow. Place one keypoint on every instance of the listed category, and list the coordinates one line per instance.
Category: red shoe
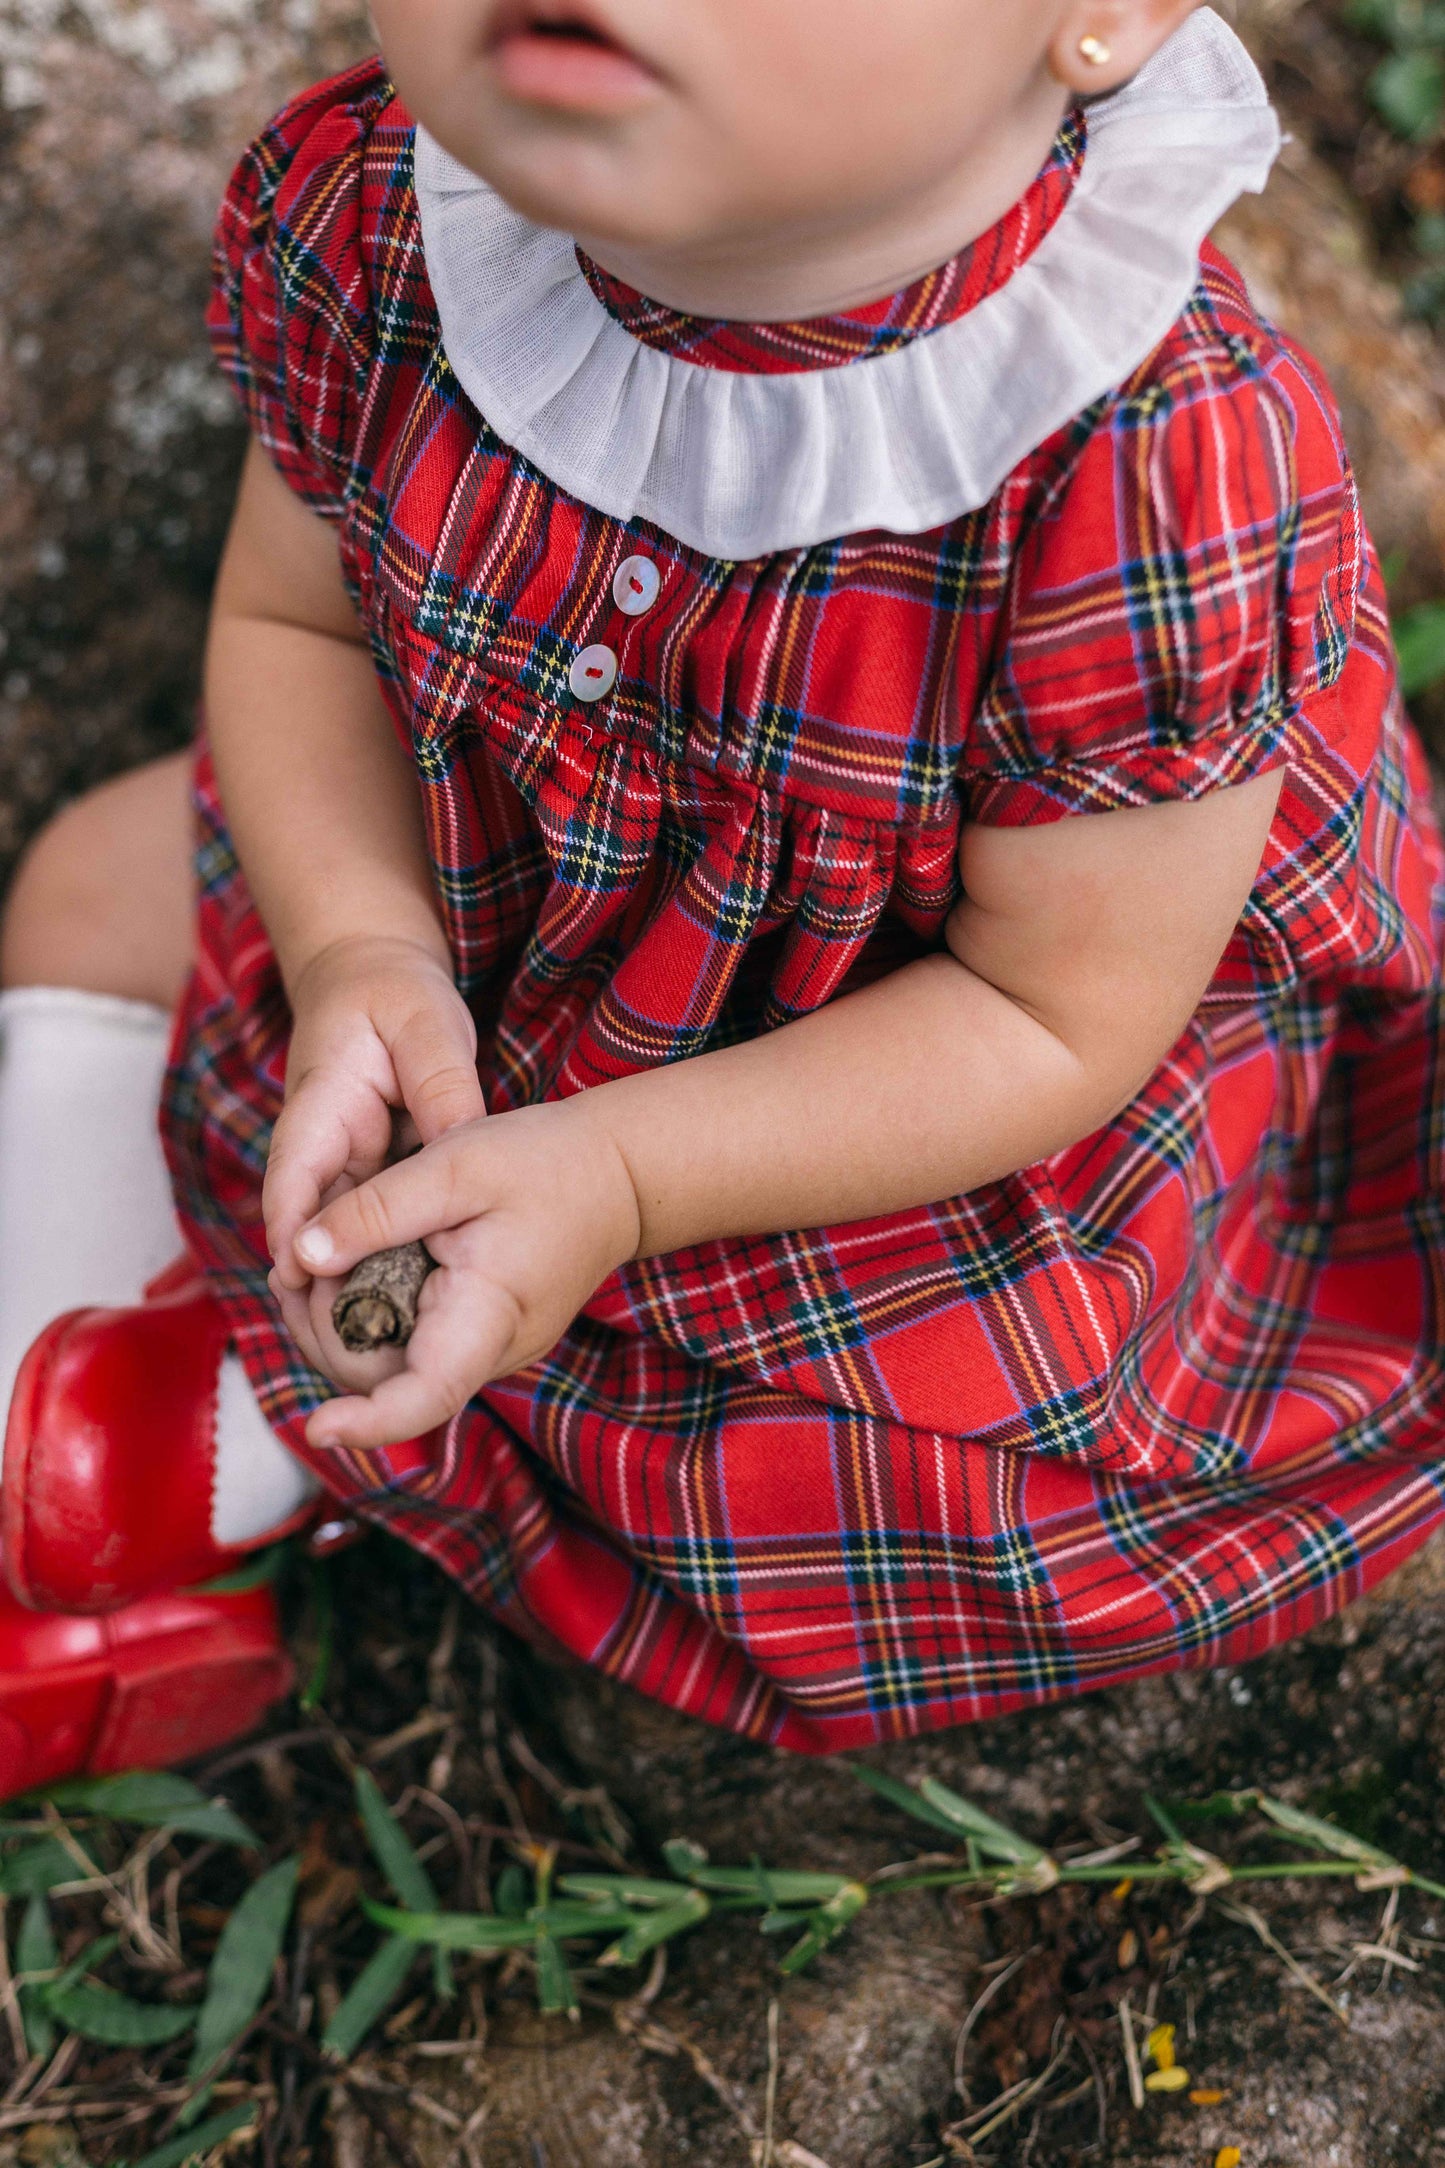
(155, 1683)
(110, 1455)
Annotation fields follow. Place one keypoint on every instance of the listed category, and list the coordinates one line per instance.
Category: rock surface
(118, 123)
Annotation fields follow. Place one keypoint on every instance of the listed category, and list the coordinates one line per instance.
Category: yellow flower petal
(1172, 2080)
(1160, 2046)
(1207, 2096)
(1228, 2156)
(1128, 1950)
(1121, 1890)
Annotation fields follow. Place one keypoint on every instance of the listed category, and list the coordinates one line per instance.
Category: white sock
(86, 1215)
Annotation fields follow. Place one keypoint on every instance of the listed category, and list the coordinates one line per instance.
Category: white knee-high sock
(86, 1215)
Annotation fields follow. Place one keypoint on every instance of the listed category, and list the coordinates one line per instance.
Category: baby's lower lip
(574, 75)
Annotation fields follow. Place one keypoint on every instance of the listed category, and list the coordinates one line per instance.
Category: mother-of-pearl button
(593, 673)
(637, 586)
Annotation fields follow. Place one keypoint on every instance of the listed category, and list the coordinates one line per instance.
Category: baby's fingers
(314, 1145)
(451, 1356)
(434, 1055)
(404, 1203)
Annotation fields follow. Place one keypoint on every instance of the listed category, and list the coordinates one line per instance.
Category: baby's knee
(101, 898)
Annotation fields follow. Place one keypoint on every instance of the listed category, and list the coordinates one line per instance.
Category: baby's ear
(1101, 44)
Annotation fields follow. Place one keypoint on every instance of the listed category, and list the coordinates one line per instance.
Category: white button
(593, 673)
(637, 586)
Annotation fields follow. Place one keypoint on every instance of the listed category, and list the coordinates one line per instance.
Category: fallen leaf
(1172, 2080)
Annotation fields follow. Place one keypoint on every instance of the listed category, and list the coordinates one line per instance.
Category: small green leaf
(652, 1929)
(684, 1857)
(1420, 645)
(398, 1862)
(95, 1953)
(154, 1801)
(828, 1922)
(513, 1895)
(259, 1570)
(193, 2145)
(1325, 1836)
(570, 1921)
(98, 2013)
(453, 1930)
(782, 1888)
(41, 1867)
(904, 1796)
(627, 1889)
(35, 1952)
(370, 1996)
(556, 1990)
(241, 1969)
(993, 1839)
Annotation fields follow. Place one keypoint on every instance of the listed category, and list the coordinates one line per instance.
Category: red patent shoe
(156, 1683)
(110, 1455)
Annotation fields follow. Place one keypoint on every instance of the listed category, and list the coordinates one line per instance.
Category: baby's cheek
(354, 1373)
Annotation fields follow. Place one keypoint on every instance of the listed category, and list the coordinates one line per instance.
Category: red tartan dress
(1164, 1399)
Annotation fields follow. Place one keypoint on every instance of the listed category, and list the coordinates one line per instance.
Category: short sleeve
(1185, 598)
(290, 313)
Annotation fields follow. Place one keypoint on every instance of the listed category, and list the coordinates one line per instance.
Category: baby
(799, 700)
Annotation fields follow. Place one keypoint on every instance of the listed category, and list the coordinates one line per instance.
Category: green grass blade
(155, 1800)
(684, 1857)
(993, 1839)
(513, 1894)
(397, 1860)
(241, 1969)
(556, 1990)
(193, 2145)
(828, 1923)
(784, 1888)
(627, 1889)
(259, 1570)
(95, 1953)
(35, 1952)
(904, 1796)
(99, 2013)
(654, 1928)
(370, 1996)
(453, 1930)
(41, 1867)
(1323, 1836)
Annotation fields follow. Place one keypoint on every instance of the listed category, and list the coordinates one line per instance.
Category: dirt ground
(118, 119)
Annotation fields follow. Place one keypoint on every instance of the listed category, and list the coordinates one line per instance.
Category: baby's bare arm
(325, 810)
(320, 798)
(1074, 963)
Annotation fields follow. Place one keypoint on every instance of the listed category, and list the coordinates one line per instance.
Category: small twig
(9, 1993)
(1248, 1917)
(1131, 2054)
(377, 1306)
(966, 2030)
(770, 2095)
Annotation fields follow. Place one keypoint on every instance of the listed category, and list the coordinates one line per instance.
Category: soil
(118, 120)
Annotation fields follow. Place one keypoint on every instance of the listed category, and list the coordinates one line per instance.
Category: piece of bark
(378, 1305)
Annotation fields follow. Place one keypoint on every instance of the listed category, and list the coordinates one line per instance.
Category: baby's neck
(791, 272)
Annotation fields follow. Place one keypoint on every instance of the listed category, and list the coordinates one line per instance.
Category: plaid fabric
(1162, 1400)
(881, 327)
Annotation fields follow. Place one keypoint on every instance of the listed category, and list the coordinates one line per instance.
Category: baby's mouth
(550, 53)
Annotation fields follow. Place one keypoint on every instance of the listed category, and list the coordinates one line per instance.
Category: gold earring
(1095, 51)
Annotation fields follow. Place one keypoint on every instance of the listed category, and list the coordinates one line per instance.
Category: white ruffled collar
(740, 466)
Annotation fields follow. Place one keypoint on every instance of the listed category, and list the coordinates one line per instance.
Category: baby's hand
(379, 1029)
(525, 1213)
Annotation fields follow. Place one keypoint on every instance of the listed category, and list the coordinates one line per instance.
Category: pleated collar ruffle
(739, 460)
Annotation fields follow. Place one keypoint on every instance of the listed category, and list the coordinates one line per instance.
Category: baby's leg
(95, 947)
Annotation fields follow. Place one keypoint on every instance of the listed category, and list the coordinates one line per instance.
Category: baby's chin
(641, 187)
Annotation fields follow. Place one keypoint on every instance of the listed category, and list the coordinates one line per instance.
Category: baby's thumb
(435, 1059)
